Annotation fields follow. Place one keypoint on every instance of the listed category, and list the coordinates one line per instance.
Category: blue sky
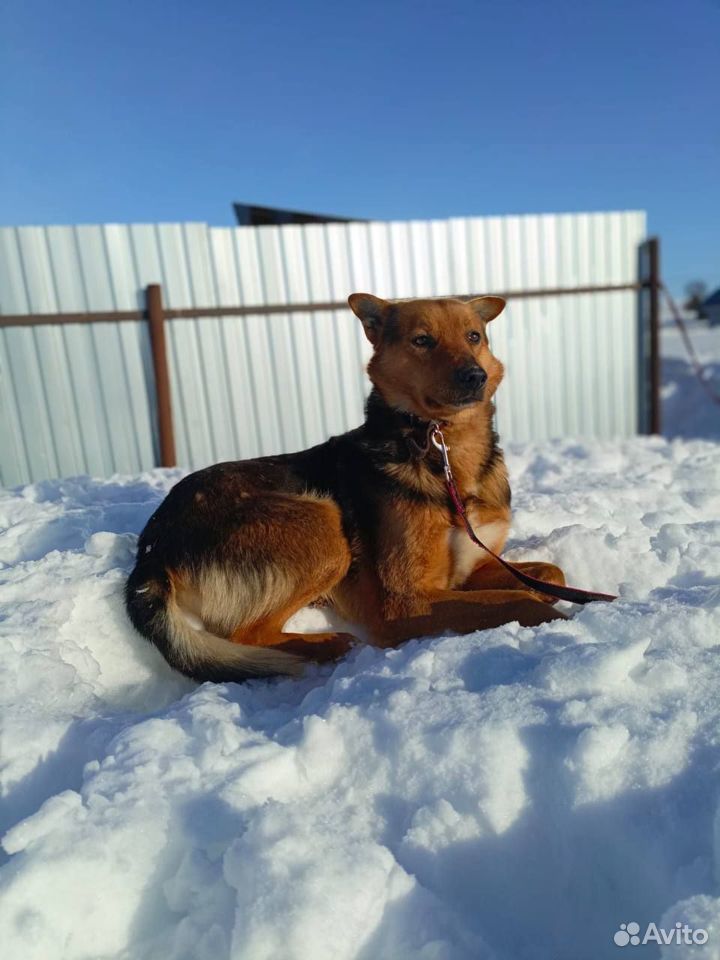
(121, 110)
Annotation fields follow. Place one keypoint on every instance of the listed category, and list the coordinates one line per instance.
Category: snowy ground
(687, 412)
(514, 794)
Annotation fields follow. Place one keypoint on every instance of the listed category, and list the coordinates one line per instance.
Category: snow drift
(517, 793)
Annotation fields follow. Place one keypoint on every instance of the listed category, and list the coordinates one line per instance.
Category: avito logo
(628, 935)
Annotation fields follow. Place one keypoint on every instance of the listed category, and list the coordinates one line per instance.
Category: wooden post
(156, 320)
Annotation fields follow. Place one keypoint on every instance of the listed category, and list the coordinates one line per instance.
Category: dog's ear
(372, 312)
(487, 308)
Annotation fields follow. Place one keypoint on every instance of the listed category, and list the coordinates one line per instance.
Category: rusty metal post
(156, 321)
(654, 318)
(649, 336)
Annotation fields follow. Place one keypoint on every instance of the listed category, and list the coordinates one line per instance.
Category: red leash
(573, 594)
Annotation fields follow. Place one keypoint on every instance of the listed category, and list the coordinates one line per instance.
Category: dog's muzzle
(469, 382)
(471, 377)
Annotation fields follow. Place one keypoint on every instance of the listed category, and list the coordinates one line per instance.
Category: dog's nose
(471, 376)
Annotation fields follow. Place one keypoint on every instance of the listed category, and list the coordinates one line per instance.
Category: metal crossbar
(245, 310)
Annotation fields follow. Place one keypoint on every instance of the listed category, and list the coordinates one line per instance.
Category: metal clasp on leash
(438, 441)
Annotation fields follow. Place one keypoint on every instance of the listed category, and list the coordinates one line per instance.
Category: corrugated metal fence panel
(80, 398)
(75, 398)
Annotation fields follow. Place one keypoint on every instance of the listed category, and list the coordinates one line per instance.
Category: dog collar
(430, 429)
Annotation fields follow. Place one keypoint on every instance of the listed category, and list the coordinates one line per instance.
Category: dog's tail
(151, 603)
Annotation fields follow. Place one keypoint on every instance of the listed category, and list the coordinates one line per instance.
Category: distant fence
(125, 347)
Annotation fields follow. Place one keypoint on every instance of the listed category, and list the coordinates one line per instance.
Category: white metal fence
(79, 398)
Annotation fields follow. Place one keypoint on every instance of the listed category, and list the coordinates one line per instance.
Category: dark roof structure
(252, 215)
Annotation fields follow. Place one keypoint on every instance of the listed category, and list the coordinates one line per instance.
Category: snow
(516, 793)
(687, 412)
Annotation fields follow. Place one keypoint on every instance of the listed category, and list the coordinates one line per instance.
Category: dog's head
(431, 357)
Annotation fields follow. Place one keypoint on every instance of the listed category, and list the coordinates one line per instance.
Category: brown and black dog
(363, 521)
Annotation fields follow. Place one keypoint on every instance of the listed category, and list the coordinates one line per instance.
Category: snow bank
(686, 409)
(516, 793)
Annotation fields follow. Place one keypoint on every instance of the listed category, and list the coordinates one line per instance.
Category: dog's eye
(474, 337)
(423, 340)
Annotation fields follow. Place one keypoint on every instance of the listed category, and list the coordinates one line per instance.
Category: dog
(363, 522)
